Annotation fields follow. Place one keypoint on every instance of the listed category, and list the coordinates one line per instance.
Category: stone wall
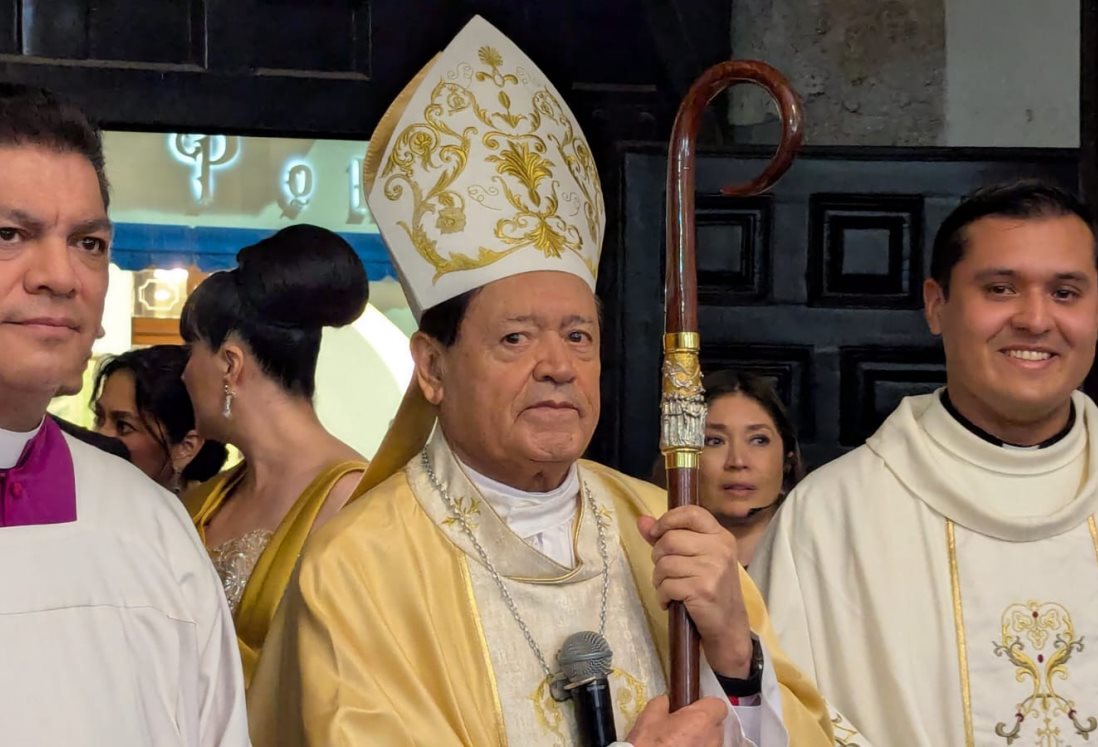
(1012, 73)
(870, 72)
(915, 72)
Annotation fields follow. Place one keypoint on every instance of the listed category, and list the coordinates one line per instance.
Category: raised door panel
(816, 286)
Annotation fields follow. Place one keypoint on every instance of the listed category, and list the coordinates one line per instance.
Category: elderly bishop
(431, 611)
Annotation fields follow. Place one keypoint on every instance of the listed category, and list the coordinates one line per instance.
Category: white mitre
(478, 171)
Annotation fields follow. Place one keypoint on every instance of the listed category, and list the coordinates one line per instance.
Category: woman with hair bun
(254, 337)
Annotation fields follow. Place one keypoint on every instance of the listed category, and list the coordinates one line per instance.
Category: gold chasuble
(264, 586)
(395, 633)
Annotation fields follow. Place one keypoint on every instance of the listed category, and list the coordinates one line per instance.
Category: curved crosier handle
(682, 406)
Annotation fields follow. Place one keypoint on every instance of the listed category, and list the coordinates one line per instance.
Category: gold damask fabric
(380, 641)
(479, 171)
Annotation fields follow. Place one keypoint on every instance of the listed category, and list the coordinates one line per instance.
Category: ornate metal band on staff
(682, 406)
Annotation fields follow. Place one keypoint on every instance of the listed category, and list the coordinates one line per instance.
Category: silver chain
(459, 517)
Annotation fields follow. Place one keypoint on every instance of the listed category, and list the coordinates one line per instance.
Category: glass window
(183, 204)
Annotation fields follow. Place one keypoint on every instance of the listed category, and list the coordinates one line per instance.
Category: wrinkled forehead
(546, 298)
(50, 189)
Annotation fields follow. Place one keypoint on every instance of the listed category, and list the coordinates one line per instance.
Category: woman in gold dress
(254, 337)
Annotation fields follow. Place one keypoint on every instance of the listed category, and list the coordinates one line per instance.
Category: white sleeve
(750, 725)
(222, 718)
(747, 725)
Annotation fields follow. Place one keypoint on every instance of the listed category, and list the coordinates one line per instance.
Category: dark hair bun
(303, 276)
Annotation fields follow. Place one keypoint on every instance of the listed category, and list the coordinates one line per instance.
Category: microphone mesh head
(584, 656)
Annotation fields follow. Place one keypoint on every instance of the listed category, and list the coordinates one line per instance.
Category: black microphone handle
(595, 713)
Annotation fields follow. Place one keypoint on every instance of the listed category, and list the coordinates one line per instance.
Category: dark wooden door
(330, 68)
(817, 286)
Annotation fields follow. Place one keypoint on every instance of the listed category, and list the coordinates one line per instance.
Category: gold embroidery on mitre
(1038, 638)
(540, 167)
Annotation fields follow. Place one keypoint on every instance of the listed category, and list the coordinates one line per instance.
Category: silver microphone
(585, 660)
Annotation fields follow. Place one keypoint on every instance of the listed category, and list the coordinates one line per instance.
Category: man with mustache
(113, 625)
(431, 611)
(950, 565)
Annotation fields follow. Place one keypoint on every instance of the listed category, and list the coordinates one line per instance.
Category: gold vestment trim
(959, 624)
(501, 725)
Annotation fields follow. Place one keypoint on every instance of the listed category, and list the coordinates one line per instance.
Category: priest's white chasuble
(396, 631)
(113, 626)
(943, 590)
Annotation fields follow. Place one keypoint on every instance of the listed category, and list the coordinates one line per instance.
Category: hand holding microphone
(700, 724)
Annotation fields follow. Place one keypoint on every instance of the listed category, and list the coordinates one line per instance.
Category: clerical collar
(12, 444)
(529, 514)
(40, 486)
(978, 431)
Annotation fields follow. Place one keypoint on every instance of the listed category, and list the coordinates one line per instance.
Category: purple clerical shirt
(41, 487)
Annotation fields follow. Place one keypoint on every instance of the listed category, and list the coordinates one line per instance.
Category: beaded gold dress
(256, 567)
(235, 559)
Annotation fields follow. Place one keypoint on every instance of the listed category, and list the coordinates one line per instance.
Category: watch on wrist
(750, 685)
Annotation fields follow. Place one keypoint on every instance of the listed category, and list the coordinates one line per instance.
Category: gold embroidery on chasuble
(468, 508)
(553, 601)
(845, 734)
(628, 694)
(1031, 676)
(1039, 641)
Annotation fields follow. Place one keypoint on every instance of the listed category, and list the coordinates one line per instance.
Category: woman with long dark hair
(139, 398)
(751, 458)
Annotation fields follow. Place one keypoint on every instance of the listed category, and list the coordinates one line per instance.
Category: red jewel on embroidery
(1040, 658)
(1035, 614)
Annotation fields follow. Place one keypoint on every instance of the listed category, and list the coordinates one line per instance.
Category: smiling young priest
(950, 565)
(431, 611)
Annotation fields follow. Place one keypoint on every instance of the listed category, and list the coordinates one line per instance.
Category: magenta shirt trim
(41, 487)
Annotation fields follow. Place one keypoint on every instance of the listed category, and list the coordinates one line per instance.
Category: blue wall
(138, 246)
